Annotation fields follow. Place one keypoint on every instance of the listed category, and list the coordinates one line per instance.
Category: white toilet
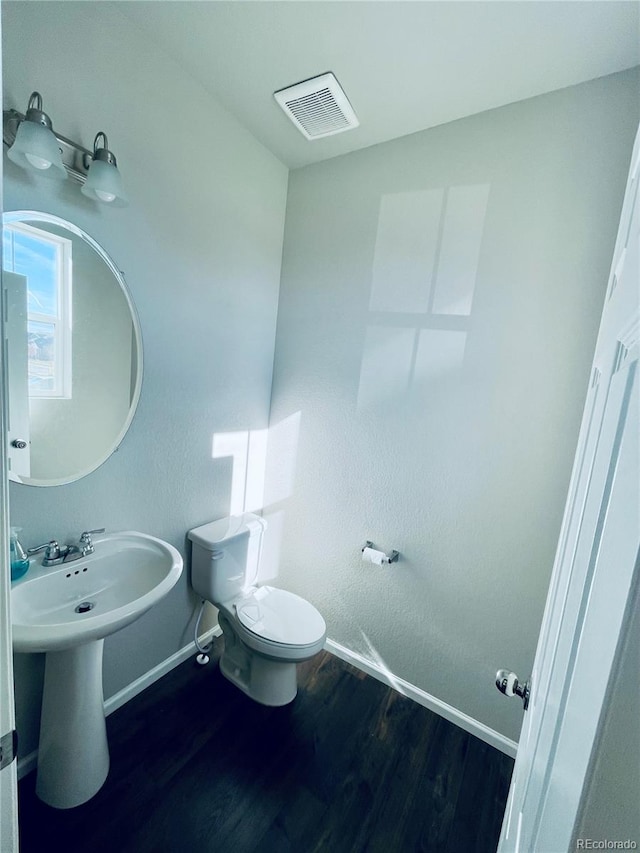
(267, 631)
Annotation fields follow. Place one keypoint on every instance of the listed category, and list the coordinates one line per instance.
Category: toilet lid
(280, 616)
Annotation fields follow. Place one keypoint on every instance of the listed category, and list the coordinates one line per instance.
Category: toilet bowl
(267, 631)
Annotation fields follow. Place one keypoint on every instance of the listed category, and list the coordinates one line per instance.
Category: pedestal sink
(67, 611)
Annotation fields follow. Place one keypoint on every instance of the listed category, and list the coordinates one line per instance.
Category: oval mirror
(74, 350)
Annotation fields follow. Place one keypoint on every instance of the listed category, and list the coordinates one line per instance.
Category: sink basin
(67, 611)
(88, 599)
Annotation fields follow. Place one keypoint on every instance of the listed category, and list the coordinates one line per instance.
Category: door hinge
(8, 748)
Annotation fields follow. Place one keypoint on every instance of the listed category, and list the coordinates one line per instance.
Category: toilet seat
(280, 616)
(277, 623)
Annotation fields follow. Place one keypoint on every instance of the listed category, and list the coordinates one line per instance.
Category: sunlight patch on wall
(440, 353)
(425, 267)
(248, 450)
(395, 359)
(405, 251)
(263, 464)
(375, 658)
(262, 477)
(281, 456)
(271, 546)
(386, 364)
(463, 227)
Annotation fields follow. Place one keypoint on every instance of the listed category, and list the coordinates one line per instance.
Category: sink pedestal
(73, 755)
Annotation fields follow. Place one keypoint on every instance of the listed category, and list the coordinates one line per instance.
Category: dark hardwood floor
(349, 766)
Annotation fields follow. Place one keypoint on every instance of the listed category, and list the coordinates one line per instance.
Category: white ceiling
(405, 66)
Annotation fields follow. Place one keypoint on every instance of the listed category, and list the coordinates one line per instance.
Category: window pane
(41, 351)
(7, 249)
(37, 260)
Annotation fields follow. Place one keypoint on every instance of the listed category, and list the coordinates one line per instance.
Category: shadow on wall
(424, 274)
(262, 478)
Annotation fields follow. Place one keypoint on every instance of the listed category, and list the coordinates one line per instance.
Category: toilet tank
(225, 556)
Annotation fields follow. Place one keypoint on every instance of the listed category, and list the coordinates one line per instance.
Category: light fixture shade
(36, 148)
(104, 183)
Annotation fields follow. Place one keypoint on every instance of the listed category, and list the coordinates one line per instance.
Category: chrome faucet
(55, 554)
(86, 544)
(52, 554)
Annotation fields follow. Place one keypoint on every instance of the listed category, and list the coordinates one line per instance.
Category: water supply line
(203, 657)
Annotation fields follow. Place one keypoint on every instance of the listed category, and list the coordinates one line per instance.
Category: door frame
(8, 776)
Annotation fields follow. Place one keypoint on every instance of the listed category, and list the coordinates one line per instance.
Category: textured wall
(439, 302)
(200, 245)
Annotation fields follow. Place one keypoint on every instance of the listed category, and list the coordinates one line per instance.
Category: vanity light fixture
(34, 145)
(104, 182)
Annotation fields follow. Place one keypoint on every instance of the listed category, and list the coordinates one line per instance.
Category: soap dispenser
(19, 559)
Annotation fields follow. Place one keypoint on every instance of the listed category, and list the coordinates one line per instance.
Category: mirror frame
(27, 216)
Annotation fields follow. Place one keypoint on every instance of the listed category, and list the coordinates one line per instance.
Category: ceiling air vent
(318, 107)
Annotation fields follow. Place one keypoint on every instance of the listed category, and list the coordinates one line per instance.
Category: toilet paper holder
(389, 558)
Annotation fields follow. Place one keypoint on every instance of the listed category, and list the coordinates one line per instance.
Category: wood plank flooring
(349, 766)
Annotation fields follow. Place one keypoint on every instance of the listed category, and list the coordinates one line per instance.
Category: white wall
(200, 246)
(439, 302)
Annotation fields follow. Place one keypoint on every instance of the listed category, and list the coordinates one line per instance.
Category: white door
(8, 779)
(596, 563)
(15, 287)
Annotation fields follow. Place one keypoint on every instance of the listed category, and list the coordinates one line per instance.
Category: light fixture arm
(101, 152)
(36, 113)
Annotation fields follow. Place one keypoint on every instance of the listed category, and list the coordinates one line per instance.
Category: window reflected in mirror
(45, 260)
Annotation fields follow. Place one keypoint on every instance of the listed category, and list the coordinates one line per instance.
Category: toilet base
(266, 681)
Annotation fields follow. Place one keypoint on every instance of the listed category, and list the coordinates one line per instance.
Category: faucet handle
(52, 552)
(86, 536)
(85, 541)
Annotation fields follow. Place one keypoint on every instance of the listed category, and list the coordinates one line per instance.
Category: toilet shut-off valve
(507, 683)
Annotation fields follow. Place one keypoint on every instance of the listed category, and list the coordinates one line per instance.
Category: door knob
(507, 683)
(19, 443)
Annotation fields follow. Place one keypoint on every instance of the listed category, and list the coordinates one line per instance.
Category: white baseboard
(30, 761)
(123, 696)
(469, 724)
